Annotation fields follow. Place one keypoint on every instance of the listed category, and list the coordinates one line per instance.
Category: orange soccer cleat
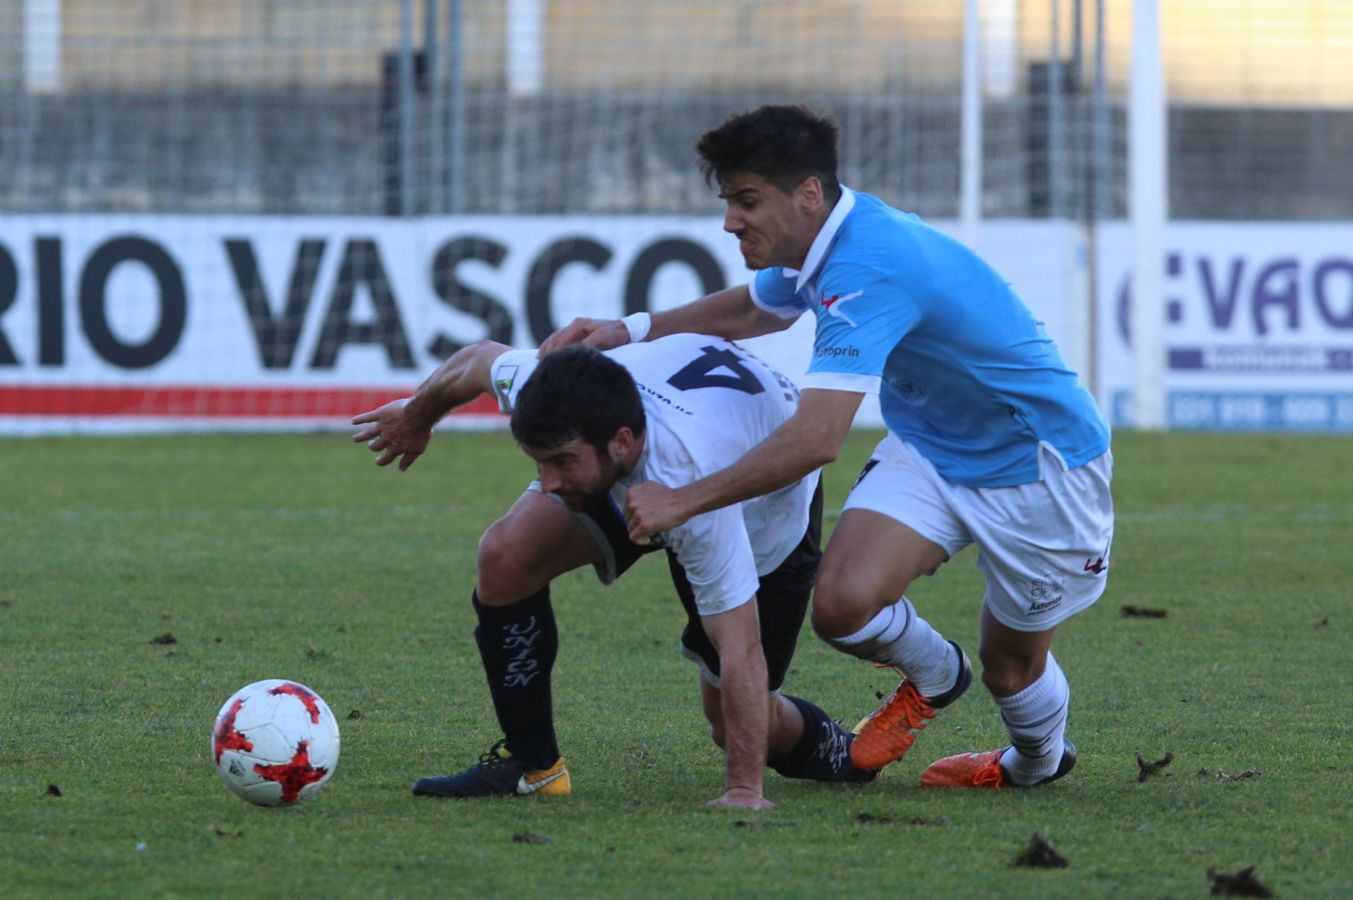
(887, 733)
(983, 770)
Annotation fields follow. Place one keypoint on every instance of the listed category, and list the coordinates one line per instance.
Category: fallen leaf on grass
(526, 837)
(53, 791)
(1040, 855)
(1239, 884)
(1248, 773)
(1143, 612)
(1146, 769)
(166, 638)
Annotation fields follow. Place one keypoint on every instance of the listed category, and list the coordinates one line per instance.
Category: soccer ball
(275, 742)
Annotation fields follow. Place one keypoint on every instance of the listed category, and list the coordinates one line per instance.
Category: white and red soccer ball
(275, 742)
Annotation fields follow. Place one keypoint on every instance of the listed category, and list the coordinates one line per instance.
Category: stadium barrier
(162, 322)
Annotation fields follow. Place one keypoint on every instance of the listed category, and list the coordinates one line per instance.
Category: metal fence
(407, 107)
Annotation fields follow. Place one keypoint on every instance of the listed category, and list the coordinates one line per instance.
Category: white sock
(897, 636)
(1036, 721)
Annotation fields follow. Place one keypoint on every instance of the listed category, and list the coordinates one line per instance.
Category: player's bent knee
(504, 571)
(831, 622)
(837, 612)
(844, 600)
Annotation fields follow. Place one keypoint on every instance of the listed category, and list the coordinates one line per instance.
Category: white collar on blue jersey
(824, 239)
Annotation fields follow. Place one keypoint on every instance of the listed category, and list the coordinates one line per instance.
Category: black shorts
(781, 598)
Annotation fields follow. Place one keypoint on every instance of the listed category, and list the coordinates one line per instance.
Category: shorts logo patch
(1095, 565)
(1046, 593)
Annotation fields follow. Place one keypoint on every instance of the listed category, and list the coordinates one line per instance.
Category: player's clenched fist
(651, 508)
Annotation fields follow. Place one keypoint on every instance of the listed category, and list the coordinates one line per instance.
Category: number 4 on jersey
(700, 373)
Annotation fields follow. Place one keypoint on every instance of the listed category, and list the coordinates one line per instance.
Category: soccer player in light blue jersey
(991, 441)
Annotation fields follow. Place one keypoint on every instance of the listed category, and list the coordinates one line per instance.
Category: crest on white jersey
(507, 376)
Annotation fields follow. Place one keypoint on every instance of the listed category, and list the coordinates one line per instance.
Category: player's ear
(621, 445)
(809, 193)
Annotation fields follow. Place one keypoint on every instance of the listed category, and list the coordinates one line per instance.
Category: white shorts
(1043, 547)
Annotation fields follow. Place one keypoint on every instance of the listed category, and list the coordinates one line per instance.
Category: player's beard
(609, 471)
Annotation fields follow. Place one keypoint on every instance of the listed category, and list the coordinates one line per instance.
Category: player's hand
(392, 434)
(652, 508)
(742, 798)
(600, 334)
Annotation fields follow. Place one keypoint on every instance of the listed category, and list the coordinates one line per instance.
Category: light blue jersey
(963, 370)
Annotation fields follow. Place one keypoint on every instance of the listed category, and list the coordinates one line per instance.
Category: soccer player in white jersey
(597, 425)
(991, 441)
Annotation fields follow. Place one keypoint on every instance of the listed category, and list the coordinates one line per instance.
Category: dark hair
(576, 393)
(783, 144)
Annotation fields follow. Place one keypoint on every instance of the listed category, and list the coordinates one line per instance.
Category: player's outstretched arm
(729, 313)
(601, 334)
(743, 688)
(810, 439)
(401, 429)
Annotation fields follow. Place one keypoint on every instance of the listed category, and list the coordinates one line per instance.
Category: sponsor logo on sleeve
(832, 305)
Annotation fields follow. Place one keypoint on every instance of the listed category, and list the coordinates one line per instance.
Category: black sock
(823, 751)
(518, 644)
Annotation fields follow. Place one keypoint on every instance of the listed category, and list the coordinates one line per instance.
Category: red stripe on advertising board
(201, 402)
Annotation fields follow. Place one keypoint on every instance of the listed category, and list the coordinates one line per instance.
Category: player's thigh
(781, 604)
(536, 541)
(898, 524)
(1044, 547)
(870, 561)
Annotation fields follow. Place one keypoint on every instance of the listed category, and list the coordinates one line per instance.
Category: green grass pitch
(293, 556)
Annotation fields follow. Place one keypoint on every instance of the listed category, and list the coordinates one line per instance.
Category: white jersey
(707, 402)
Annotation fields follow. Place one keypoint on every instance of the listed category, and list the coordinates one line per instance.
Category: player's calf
(822, 752)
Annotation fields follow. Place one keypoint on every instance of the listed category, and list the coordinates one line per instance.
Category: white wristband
(638, 325)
